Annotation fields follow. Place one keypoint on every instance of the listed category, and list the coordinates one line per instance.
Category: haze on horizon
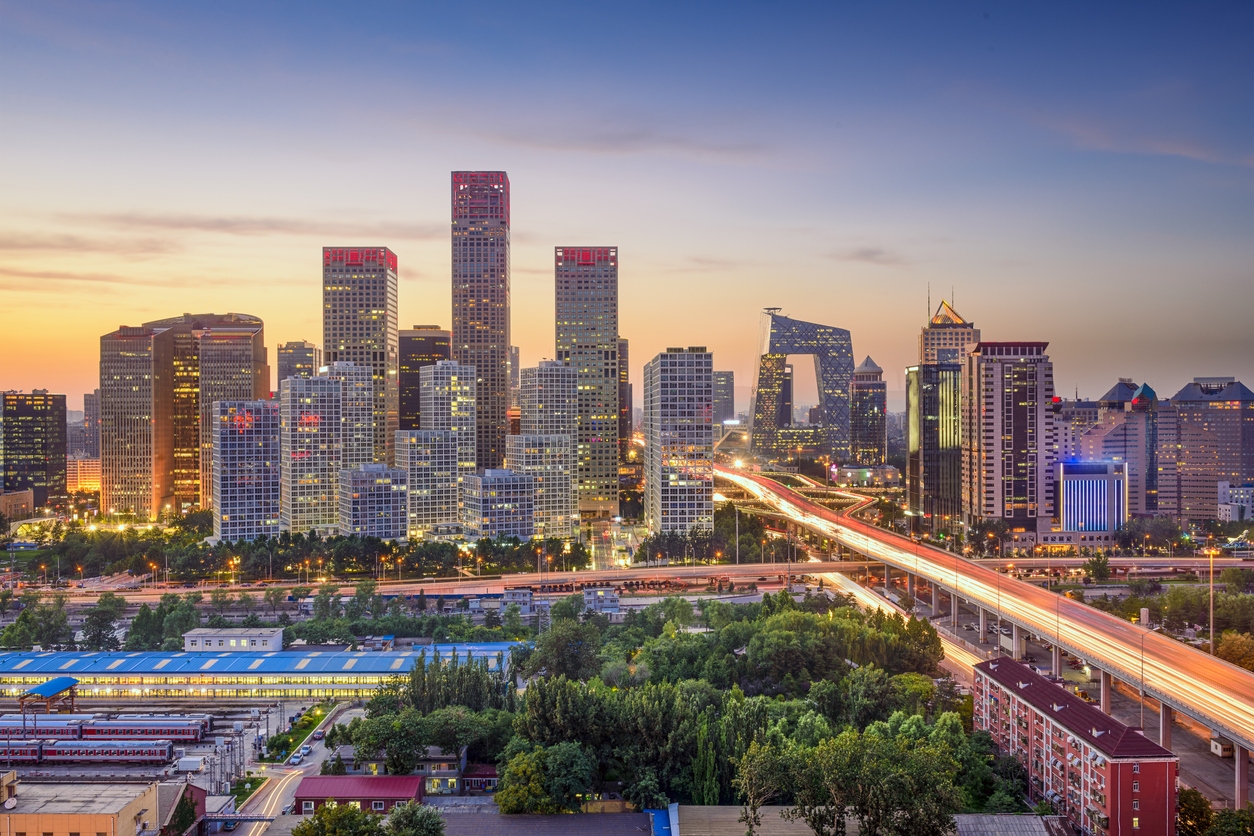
(1076, 174)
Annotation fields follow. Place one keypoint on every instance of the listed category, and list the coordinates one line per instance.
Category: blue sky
(1079, 175)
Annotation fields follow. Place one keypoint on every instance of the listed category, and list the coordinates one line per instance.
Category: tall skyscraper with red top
(481, 338)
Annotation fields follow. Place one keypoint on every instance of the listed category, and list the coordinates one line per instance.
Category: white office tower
(357, 412)
(548, 394)
(547, 459)
(447, 402)
(245, 481)
(310, 435)
(497, 504)
(373, 502)
(679, 438)
(429, 459)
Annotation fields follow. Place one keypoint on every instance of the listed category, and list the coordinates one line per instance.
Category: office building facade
(679, 439)
(547, 460)
(1092, 496)
(232, 367)
(420, 346)
(374, 502)
(868, 415)
(1007, 434)
(299, 359)
(430, 461)
(587, 339)
(724, 396)
(481, 300)
(246, 469)
(310, 440)
(91, 424)
(498, 504)
(82, 474)
(934, 447)
(357, 414)
(448, 396)
(1224, 407)
(360, 326)
(946, 336)
(32, 444)
(625, 398)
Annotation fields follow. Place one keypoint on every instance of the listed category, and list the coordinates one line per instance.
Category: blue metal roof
(52, 687)
(243, 663)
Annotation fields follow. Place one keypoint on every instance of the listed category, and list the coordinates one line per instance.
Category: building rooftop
(946, 315)
(1085, 721)
(75, 799)
(602, 824)
(359, 786)
(1204, 389)
(1121, 392)
(236, 632)
(988, 824)
(867, 367)
(53, 686)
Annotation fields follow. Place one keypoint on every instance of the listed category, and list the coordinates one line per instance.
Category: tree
(1098, 568)
(247, 602)
(1233, 822)
(1193, 815)
(184, 813)
(1236, 580)
(1237, 648)
(492, 619)
(220, 599)
(759, 778)
(513, 620)
(569, 774)
(811, 802)
(274, 598)
(338, 768)
(101, 622)
(1001, 801)
(415, 820)
(521, 788)
(339, 820)
(568, 648)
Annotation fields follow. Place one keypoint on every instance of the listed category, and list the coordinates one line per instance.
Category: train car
(25, 751)
(183, 731)
(205, 720)
(107, 751)
(39, 727)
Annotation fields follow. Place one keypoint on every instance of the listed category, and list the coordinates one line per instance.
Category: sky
(1076, 173)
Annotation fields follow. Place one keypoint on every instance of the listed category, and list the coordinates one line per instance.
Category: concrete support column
(910, 583)
(1166, 715)
(1016, 641)
(1056, 661)
(937, 601)
(1242, 764)
(1105, 698)
(983, 625)
(953, 611)
(888, 576)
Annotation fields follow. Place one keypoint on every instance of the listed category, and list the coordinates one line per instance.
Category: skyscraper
(151, 396)
(724, 396)
(299, 359)
(429, 459)
(91, 424)
(514, 379)
(310, 439)
(246, 474)
(1007, 434)
(544, 449)
(32, 444)
(481, 331)
(587, 339)
(624, 401)
(356, 412)
(359, 324)
(448, 396)
(679, 439)
(945, 337)
(868, 415)
(498, 504)
(1223, 406)
(373, 502)
(420, 346)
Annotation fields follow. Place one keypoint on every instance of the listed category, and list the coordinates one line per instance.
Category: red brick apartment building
(1107, 778)
(372, 793)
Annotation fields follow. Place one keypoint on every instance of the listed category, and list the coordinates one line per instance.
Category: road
(1210, 690)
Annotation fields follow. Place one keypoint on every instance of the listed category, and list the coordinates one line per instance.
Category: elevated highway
(1209, 690)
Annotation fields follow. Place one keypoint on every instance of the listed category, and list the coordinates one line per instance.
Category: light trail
(1214, 692)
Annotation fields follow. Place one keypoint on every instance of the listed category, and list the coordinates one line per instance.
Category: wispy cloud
(704, 264)
(173, 280)
(56, 243)
(243, 225)
(1098, 134)
(634, 141)
(870, 255)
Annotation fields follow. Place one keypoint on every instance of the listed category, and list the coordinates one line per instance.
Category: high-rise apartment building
(679, 439)
(1007, 434)
(420, 346)
(373, 502)
(945, 338)
(429, 459)
(934, 446)
(587, 339)
(151, 398)
(246, 469)
(549, 398)
(299, 359)
(544, 448)
(724, 396)
(448, 398)
(868, 415)
(1225, 407)
(310, 439)
(514, 379)
(1128, 433)
(359, 325)
(32, 444)
(624, 401)
(91, 424)
(481, 329)
(497, 504)
(356, 412)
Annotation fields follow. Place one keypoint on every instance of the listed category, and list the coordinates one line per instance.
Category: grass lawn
(245, 789)
(302, 730)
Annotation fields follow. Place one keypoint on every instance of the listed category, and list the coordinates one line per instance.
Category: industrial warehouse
(287, 674)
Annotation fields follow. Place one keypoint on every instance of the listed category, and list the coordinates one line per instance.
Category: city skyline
(1109, 192)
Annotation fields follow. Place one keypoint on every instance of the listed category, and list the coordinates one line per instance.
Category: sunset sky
(1072, 172)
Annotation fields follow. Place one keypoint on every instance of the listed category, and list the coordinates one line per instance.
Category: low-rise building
(256, 639)
(372, 793)
(601, 600)
(1236, 502)
(442, 770)
(1102, 775)
(91, 808)
(520, 595)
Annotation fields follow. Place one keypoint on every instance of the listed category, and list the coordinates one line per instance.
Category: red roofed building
(372, 793)
(1108, 778)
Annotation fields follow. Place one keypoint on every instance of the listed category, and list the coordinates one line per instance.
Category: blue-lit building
(289, 674)
(1092, 504)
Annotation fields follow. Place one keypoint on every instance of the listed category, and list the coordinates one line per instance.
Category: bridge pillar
(1242, 763)
(888, 575)
(953, 611)
(910, 585)
(1016, 641)
(1105, 698)
(1056, 661)
(983, 624)
(1165, 716)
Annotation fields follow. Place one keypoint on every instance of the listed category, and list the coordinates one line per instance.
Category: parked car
(970, 627)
